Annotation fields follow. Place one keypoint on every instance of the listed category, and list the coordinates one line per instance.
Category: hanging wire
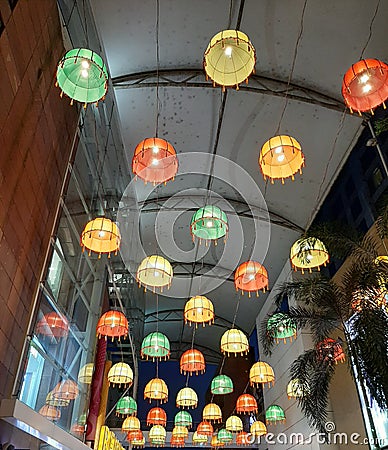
(86, 23)
(157, 69)
(370, 29)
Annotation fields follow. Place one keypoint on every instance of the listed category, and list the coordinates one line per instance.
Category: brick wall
(36, 133)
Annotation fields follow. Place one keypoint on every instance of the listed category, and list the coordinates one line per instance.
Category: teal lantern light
(156, 346)
(221, 384)
(209, 224)
(82, 76)
(274, 414)
(281, 326)
(183, 419)
(225, 436)
(126, 406)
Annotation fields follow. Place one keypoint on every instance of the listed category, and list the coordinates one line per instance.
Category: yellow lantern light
(85, 374)
(234, 424)
(199, 438)
(52, 401)
(281, 157)
(180, 431)
(261, 373)
(101, 235)
(294, 389)
(229, 58)
(234, 341)
(199, 309)
(258, 429)
(187, 398)
(156, 389)
(131, 423)
(120, 374)
(308, 253)
(157, 435)
(154, 272)
(212, 413)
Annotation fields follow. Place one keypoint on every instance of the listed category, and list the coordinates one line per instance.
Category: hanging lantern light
(156, 346)
(215, 443)
(112, 324)
(308, 253)
(65, 390)
(126, 406)
(177, 441)
(77, 430)
(82, 419)
(85, 373)
(234, 424)
(154, 272)
(187, 398)
(183, 419)
(246, 404)
(120, 374)
(251, 276)
(229, 59)
(205, 428)
(156, 389)
(261, 373)
(192, 361)
(199, 309)
(221, 384)
(52, 401)
(53, 325)
(50, 412)
(235, 342)
(157, 436)
(131, 423)
(281, 326)
(101, 235)
(258, 429)
(134, 435)
(224, 436)
(294, 389)
(365, 85)
(199, 438)
(138, 442)
(180, 431)
(155, 161)
(281, 157)
(330, 350)
(82, 76)
(243, 438)
(274, 414)
(212, 413)
(156, 416)
(209, 224)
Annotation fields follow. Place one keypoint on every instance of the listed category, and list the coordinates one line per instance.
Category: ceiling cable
(370, 29)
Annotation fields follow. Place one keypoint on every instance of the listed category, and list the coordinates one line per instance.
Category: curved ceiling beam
(259, 84)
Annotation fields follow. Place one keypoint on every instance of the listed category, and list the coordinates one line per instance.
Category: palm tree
(354, 308)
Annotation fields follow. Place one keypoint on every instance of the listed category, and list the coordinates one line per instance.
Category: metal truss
(258, 84)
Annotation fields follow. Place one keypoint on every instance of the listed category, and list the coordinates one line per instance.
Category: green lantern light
(82, 420)
(274, 414)
(126, 406)
(156, 346)
(82, 76)
(225, 436)
(280, 326)
(209, 224)
(183, 419)
(221, 384)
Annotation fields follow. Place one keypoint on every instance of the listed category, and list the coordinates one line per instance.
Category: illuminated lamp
(199, 309)
(112, 324)
(155, 161)
(281, 157)
(65, 390)
(246, 404)
(82, 419)
(180, 431)
(120, 374)
(209, 224)
(131, 423)
(177, 441)
(281, 326)
(234, 424)
(154, 272)
(82, 76)
(258, 428)
(156, 389)
(224, 436)
(126, 406)
(134, 435)
(157, 436)
(330, 350)
(138, 442)
(205, 428)
(156, 346)
(261, 373)
(52, 401)
(229, 59)
(221, 384)
(183, 419)
(50, 412)
(251, 276)
(365, 85)
(77, 429)
(187, 398)
(85, 373)
(294, 389)
(243, 438)
(234, 341)
(199, 438)
(308, 253)
(215, 443)
(192, 361)
(274, 414)
(156, 416)
(101, 235)
(212, 413)
(53, 325)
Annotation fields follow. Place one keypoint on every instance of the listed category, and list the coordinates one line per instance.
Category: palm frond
(382, 221)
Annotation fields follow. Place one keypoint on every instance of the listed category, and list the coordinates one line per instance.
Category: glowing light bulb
(281, 158)
(309, 257)
(199, 310)
(85, 64)
(85, 73)
(281, 328)
(367, 88)
(251, 277)
(156, 347)
(155, 162)
(278, 150)
(155, 150)
(364, 78)
(101, 234)
(156, 273)
(209, 224)
(228, 51)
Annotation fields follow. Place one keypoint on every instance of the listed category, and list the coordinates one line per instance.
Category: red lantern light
(177, 441)
(192, 361)
(157, 416)
(205, 428)
(112, 324)
(251, 276)
(330, 350)
(53, 325)
(246, 403)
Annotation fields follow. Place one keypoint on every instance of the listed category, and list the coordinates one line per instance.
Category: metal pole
(383, 162)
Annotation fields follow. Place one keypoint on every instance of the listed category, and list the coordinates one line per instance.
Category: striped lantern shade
(261, 373)
(246, 404)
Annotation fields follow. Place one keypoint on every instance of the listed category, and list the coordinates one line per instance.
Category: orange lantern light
(177, 441)
(101, 235)
(192, 361)
(215, 442)
(155, 161)
(258, 429)
(50, 412)
(134, 435)
(212, 413)
(112, 324)
(365, 85)
(330, 350)
(156, 389)
(157, 416)
(261, 373)
(53, 325)
(65, 390)
(246, 404)
(205, 428)
(199, 309)
(251, 276)
(77, 429)
(243, 438)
